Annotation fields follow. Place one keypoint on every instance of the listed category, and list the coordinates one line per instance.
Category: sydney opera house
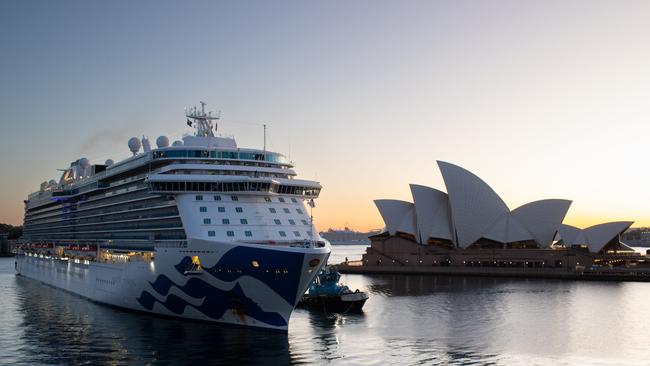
(471, 229)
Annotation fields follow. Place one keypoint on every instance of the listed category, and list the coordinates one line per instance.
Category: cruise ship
(198, 229)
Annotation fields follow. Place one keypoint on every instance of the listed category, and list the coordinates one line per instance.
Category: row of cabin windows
(231, 233)
(286, 210)
(295, 233)
(291, 222)
(207, 221)
(199, 197)
(235, 187)
(249, 233)
(281, 199)
(284, 233)
(221, 209)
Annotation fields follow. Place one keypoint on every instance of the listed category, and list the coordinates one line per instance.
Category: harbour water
(407, 320)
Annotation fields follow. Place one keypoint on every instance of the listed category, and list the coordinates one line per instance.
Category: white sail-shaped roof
(571, 235)
(475, 207)
(507, 229)
(594, 237)
(432, 212)
(398, 216)
(599, 235)
(542, 218)
(471, 210)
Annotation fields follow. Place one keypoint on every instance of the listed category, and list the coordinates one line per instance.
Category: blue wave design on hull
(240, 258)
(215, 304)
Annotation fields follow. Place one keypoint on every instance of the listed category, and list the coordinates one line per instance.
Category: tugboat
(327, 295)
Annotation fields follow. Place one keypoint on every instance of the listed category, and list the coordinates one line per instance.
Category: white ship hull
(240, 284)
(169, 230)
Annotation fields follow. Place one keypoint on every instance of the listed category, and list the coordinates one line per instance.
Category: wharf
(603, 274)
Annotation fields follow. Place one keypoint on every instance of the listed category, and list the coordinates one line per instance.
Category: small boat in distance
(327, 295)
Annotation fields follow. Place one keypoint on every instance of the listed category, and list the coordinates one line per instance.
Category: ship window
(225, 221)
(230, 233)
(248, 233)
(299, 211)
(203, 209)
(211, 233)
(243, 221)
(267, 199)
(291, 222)
(255, 264)
(235, 198)
(272, 210)
(221, 209)
(199, 197)
(239, 209)
(277, 222)
(207, 221)
(294, 200)
(304, 222)
(281, 199)
(296, 233)
(286, 210)
(217, 198)
(282, 234)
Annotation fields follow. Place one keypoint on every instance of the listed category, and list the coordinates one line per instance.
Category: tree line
(13, 232)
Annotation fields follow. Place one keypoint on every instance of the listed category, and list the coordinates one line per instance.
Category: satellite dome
(162, 141)
(178, 143)
(52, 182)
(109, 162)
(134, 145)
(84, 163)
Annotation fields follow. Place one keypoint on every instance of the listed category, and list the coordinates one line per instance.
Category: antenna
(265, 138)
(202, 121)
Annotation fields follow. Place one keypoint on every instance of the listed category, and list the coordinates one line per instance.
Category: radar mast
(202, 121)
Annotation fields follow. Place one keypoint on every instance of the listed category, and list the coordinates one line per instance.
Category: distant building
(637, 237)
(472, 215)
(348, 236)
(470, 225)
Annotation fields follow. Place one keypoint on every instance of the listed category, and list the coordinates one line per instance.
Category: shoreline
(604, 275)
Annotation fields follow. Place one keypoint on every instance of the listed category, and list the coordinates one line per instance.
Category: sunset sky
(542, 99)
